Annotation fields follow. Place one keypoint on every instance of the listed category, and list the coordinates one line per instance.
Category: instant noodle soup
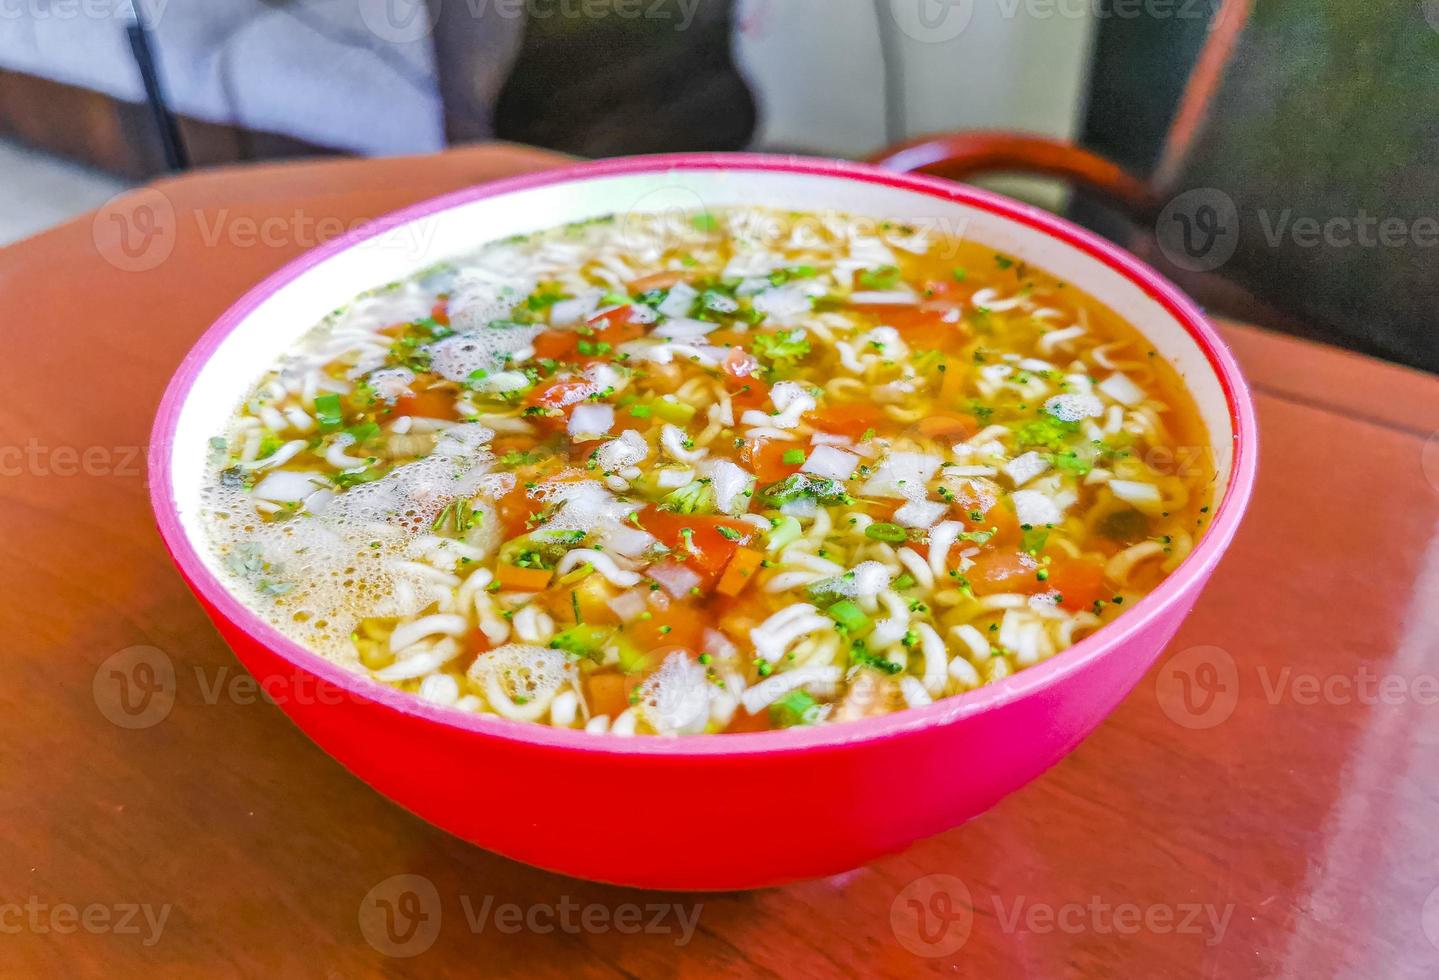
(741, 470)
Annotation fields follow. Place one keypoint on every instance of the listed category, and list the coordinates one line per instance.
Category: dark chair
(598, 79)
(1278, 158)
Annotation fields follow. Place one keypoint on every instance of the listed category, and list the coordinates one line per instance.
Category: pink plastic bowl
(656, 812)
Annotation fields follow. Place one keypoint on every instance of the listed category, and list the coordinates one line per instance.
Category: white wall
(816, 68)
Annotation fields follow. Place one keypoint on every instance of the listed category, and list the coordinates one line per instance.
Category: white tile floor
(38, 190)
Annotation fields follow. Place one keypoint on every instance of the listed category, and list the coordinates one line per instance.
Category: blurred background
(1278, 158)
(255, 80)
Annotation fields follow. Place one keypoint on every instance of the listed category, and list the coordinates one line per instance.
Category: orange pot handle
(961, 156)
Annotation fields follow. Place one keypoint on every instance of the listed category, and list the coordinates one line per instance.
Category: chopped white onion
(1121, 389)
(568, 311)
(683, 328)
(591, 421)
(888, 297)
(1035, 509)
(287, 486)
(902, 475)
(679, 300)
(920, 513)
(827, 461)
(1073, 408)
(628, 605)
(731, 484)
(674, 578)
(1025, 467)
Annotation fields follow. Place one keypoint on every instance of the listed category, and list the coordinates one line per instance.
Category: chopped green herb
(329, 412)
(892, 533)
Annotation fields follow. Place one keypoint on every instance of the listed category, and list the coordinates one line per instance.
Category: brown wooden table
(1264, 804)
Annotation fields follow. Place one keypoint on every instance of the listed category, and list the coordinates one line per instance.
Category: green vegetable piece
(885, 277)
(1046, 432)
(672, 411)
(364, 432)
(892, 533)
(583, 640)
(540, 549)
(781, 348)
(849, 616)
(798, 486)
(860, 656)
(1034, 539)
(695, 498)
(793, 457)
(827, 591)
(329, 412)
(796, 708)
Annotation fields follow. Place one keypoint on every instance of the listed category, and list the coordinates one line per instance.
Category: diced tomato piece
(766, 458)
(741, 377)
(608, 692)
(926, 329)
(680, 627)
(512, 444)
(560, 394)
(1078, 581)
(557, 345)
(440, 312)
(615, 326)
(851, 419)
(477, 642)
(995, 514)
(946, 426)
(515, 510)
(1006, 571)
(705, 550)
(743, 722)
(431, 403)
